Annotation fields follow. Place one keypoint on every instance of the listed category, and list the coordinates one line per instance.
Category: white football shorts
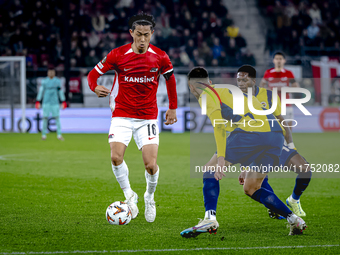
(143, 131)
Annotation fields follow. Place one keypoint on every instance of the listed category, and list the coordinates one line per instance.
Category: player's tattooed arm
(288, 136)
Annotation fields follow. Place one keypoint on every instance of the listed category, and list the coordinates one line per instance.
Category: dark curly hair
(142, 19)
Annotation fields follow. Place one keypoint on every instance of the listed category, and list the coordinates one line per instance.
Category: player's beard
(140, 51)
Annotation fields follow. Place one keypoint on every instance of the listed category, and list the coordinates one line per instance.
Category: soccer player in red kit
(137, 67)
(279, 77)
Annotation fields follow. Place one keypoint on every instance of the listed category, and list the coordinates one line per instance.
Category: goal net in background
(13, 93)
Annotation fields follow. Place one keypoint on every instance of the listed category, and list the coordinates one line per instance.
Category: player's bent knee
(249, 190)
(151, 166)
(116, 159)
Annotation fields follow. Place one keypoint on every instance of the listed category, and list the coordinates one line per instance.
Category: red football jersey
(133, 93)
(278, 79)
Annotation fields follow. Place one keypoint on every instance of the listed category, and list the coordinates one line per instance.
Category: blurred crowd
(303, 27)
(196, 32)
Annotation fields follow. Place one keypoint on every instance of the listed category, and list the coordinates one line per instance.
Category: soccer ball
(118, 213)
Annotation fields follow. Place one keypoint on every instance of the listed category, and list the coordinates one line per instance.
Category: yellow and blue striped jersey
(265, 96)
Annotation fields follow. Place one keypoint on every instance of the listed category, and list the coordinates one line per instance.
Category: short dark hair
(279, 53)
(142, 19)
(248, 69)
(198, 72)
(50, 67)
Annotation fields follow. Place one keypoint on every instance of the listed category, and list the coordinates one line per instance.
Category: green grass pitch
(53, 197)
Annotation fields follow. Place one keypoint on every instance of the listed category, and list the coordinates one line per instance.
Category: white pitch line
(167, 250)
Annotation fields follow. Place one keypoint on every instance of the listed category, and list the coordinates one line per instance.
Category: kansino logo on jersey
(139, 79)
(238, 105)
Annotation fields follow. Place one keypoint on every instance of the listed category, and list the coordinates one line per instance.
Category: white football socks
(151, 183)
(210, 214)
(122, 175)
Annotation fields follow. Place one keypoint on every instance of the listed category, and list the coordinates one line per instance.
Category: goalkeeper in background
(49, 93)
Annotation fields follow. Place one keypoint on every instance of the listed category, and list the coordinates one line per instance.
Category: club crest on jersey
(138, 79)
(104, 59)
(111, 135)
(153, 70)
(264, 104)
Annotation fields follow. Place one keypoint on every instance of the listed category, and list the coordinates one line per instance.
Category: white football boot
(150, 208)
(203, 226)
(296, 224)
(132, 203)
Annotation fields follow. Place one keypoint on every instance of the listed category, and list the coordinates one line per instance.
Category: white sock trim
(291, 218)
(293, 200)
(210, 214)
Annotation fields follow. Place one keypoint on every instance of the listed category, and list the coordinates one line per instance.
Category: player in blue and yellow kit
(258, 144)
(50, 92)
(289, 156)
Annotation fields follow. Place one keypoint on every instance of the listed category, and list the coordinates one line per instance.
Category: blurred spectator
(335, 26)
(214, 62)
(220, 9)
(305, 38)
(173, 40)
(293, 47)
(185, 60)
(85, 47)
(58, 54)
(93, 39)
(248, 58)
(315, 14)
(189, 48)
(232, 30)
(91, 59)
(233, 53)
(79, 58)
(240, 41)
(226, 21)
(205, 52)
(217, 48)
(312, 30)
(73, 62)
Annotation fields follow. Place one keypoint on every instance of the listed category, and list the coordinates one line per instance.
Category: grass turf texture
(53, 197)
